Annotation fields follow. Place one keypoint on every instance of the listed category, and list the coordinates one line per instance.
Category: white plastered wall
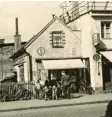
(88, 50)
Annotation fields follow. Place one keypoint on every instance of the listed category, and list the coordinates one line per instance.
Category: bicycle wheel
(90, 91)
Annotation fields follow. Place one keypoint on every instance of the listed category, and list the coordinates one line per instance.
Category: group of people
(52, 89)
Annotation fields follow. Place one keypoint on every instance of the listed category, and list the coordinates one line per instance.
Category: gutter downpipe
(30, 66)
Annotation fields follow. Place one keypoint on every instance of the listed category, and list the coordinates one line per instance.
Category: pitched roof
(44, 29)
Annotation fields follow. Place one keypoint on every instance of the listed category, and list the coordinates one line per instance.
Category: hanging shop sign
(96, 57)
(41, 51)
(96, 39)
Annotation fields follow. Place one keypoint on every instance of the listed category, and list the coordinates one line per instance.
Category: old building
(6, 64)
(94, 22)
(53, 49)
(6, 50)
(79, 41)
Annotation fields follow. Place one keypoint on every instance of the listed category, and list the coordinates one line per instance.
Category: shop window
(42, 72)
(58, 40)
(105, 29)
(21, 73)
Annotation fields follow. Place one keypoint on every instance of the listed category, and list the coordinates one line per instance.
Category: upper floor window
(105, 29)
(58, 39)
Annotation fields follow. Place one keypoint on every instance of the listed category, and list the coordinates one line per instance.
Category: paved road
(95, 110)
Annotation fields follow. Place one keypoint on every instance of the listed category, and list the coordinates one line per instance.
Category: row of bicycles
(12, 94)
(21, 93)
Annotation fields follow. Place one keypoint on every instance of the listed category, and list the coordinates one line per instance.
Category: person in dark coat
(53, 82)
(46, 83)
(109, 110)
(65, 85)
(46, 89)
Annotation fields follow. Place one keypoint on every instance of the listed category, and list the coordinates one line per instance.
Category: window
(105, 29)
(57, 39)
(21, 73)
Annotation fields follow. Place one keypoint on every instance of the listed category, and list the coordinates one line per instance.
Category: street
(92, 110)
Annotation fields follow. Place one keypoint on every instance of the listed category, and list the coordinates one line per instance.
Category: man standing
(37, 89)
(65, 85)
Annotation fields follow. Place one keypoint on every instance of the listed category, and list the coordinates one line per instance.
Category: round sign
(96, 57)
(41, 51)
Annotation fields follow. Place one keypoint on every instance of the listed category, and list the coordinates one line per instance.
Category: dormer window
(106, 29)
(58, 39)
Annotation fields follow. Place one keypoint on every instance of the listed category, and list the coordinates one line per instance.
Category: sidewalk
(36, 104)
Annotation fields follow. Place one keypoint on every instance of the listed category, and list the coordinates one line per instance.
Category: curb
(51, 106)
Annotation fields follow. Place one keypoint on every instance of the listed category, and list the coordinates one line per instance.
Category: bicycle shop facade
(83, 49)
(54, 49)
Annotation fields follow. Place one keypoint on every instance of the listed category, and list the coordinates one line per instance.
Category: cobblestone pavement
(94, 110)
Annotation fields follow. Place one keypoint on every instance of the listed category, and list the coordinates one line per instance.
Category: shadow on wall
(102, 45)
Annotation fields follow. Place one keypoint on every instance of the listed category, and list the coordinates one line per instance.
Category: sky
(32, 17)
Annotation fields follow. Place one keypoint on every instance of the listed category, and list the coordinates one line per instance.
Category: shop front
(54, 49)
(75, 68)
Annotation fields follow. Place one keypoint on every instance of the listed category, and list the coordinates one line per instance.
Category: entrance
(107, 73)
(75, 76)
(75, 68)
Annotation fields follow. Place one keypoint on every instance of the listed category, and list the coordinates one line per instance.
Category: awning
(63, 64)
(10, 75)
(108, 55)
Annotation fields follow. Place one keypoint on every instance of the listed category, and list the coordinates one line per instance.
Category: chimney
(17, 37)
(17, 26)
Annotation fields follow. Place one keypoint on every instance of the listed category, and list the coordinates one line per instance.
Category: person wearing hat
(65, 85)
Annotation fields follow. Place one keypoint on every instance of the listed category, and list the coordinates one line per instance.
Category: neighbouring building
(94, 22)
(79, 41)
(6, 64)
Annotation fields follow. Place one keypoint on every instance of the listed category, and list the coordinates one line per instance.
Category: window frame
(21, 73)
(105, 30)
(59, 42)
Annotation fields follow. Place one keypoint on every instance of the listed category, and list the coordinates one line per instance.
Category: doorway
(107, 73)
(75, 76)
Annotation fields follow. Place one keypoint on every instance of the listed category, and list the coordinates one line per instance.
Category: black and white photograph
(56, 58)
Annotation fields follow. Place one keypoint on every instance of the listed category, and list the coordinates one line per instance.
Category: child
(54, 88)
(54, 92)
(46, 92)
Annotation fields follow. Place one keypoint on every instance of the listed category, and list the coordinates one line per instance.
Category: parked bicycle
(86, 88)
(19, 94)
(22, 93)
